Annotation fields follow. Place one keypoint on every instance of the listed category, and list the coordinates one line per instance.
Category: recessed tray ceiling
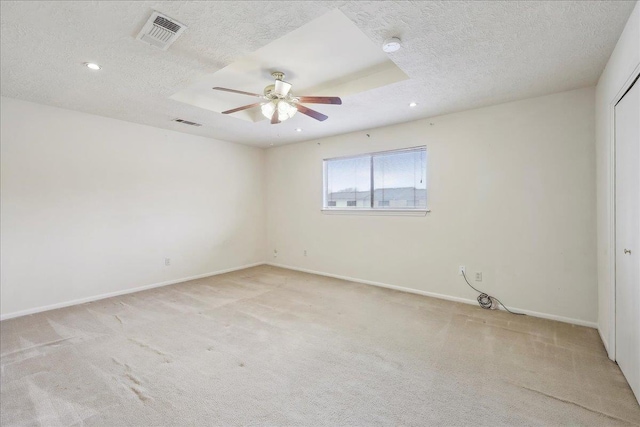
(327, 56)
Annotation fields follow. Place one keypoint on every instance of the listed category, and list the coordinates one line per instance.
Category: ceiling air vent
(187, 122)
(160, 31)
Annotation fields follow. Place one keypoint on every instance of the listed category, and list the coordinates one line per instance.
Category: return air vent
(187, 122)
(160, 31)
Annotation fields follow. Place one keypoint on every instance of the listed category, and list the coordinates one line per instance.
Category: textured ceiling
(458, 55)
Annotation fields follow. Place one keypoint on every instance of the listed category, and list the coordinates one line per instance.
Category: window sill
(383, 212)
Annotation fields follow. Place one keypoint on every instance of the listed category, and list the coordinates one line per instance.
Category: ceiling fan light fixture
(268, 109)
(286, 110)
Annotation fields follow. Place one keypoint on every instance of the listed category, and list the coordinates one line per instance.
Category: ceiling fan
(278, 103)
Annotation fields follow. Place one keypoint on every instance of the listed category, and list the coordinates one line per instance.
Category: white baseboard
(304, 270)
(605, 342)
(440, 296)
(122, 292)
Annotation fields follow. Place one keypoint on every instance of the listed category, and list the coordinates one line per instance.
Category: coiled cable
(486, 301)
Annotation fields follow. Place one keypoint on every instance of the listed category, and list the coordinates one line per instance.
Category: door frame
(635, 74)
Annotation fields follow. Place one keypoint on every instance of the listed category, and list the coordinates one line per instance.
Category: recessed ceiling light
(412, 104)
(298, 130)
(92, 66)
(391, 45)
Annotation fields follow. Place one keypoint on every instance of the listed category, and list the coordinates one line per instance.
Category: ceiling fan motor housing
(280, 89)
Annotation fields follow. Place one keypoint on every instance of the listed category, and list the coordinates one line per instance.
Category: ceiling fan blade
(246, 107)
(311, 113)
(320, 100)
(224, 89)
(275, 119)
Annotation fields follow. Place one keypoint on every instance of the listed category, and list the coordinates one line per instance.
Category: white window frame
(375, 210)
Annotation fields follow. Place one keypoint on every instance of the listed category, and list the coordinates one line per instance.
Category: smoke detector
(391, 45)
(160, 31)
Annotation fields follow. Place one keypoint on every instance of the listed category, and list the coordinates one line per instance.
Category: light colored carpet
(267, 346)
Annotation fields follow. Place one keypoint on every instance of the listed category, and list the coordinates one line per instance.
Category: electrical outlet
(275, 253)
(462, 270)
(167, 261)
(479, 276)
(305, 252)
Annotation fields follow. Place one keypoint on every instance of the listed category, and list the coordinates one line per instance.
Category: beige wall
(512, 194)
(623, 64)
(93, 206)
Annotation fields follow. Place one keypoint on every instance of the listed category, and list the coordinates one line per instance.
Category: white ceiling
(458, 55)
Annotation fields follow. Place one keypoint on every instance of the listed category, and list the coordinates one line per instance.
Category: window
(391, 180)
